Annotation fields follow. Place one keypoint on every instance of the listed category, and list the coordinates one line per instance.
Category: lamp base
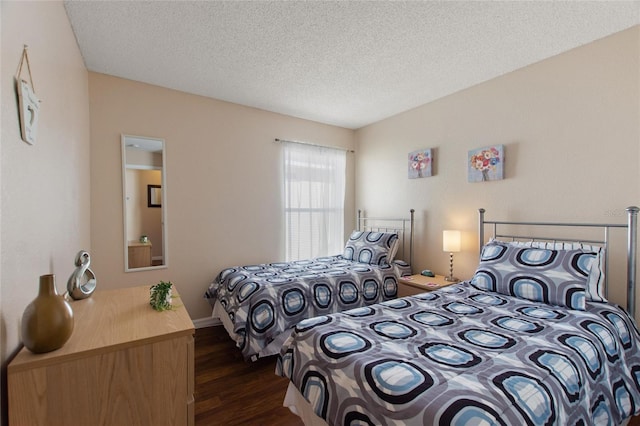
(450, 278)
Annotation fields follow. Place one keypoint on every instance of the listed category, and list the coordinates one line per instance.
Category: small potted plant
(160, 296)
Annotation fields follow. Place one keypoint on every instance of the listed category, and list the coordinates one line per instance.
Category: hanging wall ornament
(82, 282)
(28, 102)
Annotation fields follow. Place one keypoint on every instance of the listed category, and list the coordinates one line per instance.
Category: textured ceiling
(345, 63)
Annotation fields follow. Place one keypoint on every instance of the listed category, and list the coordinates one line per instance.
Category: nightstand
(414, 284)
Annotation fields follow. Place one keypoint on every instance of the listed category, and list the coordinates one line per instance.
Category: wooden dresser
(139, 255)
(125, 364)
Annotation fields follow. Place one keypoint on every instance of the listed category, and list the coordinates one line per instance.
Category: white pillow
(394, 250)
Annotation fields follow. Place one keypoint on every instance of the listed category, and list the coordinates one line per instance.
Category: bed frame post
(632, 241)
(481, 229)
(411, 212)
(358, 219)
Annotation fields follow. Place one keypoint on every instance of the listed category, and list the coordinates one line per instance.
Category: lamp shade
(451, 241)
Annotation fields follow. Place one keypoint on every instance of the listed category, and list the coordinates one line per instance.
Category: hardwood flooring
(230, 391)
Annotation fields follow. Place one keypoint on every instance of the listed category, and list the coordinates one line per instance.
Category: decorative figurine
(82, 281)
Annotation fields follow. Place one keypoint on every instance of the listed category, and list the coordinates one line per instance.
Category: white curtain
(314, 181)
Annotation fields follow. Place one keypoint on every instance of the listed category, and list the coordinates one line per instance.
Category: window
(314, 181)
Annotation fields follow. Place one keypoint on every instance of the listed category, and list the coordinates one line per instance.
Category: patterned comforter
(265, 300)
(461, 356)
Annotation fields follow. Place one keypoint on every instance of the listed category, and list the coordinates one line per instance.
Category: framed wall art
(485, 164)
(154, 196)
(420, 163)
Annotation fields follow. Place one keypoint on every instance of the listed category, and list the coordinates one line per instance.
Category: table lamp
(451, 243)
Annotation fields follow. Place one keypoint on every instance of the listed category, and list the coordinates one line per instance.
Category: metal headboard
(384, 224)
(632, 242)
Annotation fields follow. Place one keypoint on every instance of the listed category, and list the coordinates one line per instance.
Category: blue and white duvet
(265, 300)
(461, 356)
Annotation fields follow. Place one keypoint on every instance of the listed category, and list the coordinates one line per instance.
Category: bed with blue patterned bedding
(263, 302)
(466, 356)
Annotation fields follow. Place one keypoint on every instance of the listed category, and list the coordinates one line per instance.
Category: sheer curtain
(314, 182)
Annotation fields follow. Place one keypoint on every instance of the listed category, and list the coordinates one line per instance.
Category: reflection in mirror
(154, 196)
(143, 178)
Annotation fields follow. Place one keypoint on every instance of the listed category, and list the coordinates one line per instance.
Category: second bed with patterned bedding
(259, 304)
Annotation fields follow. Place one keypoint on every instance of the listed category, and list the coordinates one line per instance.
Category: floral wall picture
(486, 163)
(420, 163)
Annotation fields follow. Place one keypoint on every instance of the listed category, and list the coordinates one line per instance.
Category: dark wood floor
(230, 391)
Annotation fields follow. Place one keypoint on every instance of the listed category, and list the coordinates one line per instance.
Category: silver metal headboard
(385, 224)
(632, 243)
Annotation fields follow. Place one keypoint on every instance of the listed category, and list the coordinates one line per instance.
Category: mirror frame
(163, 189)
(152, 195)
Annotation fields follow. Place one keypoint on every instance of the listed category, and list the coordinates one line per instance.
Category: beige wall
(45, 187)
(222, 181)
(571, 130)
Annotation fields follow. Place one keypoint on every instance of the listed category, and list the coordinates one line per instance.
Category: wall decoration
(420, 163)
(486, 164)
(154, 196)
(28, 103)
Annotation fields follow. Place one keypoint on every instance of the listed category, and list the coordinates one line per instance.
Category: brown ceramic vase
(47, 322)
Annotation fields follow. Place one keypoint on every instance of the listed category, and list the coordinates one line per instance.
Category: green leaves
(160, 296)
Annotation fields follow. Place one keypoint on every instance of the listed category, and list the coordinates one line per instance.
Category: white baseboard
(206, 322)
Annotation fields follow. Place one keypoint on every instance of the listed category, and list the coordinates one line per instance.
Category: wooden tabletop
(427, 283)
(110, 320)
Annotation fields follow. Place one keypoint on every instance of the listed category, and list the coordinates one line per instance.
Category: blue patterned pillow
(554, 277)
(375, 248)
(595, 283)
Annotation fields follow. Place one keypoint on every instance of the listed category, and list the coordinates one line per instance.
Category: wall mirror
(144, 201)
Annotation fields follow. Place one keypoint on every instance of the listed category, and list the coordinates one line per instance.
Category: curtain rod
(315, 144)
